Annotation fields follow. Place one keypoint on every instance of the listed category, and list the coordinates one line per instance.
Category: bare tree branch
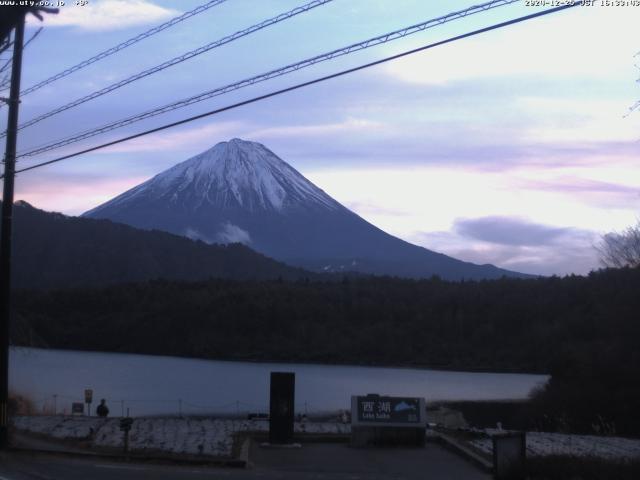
(622, 249)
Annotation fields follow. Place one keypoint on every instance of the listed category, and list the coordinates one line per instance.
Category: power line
(303, 84)
(8, 62)
(179, 59)
(6, 45)
(35, 34)
(123, 45)
(5, 81)
(5, 65)
(380, 39)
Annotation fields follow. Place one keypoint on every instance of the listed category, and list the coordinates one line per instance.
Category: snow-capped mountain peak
(233, 174)
(241, 191)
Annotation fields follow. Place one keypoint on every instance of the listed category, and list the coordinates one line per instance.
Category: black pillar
(281, 408)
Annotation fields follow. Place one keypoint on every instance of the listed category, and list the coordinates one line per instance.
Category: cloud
(106, 15)
(562, 259)
(539, 47)
(72, 194)
(509, 231)
(516, 244)
(369, 208)
(231, 233)
(603, 194)
(578, 120)
(581, 185)
(194, 234)
(347, 126)
(204, 137)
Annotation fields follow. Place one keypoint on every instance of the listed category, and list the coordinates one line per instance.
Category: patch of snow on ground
(544, 444)
(214, 436)
(205, 436)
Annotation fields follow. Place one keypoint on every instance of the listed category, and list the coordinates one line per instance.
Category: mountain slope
(241, 191)
(51, 250)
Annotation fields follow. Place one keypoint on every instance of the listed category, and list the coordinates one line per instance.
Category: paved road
(338, 460)
(311, 462)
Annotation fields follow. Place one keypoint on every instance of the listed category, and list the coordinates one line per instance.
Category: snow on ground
(543, 444)
(214, 436)
(190, 435)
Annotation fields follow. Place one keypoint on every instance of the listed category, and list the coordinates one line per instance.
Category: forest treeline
(51, 250)
(585, 331)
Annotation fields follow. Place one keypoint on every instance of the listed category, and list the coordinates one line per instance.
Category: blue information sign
(379, 409)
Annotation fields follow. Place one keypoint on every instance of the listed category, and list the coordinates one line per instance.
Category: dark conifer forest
(584, 331)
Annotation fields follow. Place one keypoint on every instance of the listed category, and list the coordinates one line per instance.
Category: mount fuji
(240, 191)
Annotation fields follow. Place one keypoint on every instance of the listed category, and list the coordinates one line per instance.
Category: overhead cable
(300, 85)
(176, 60)
(380, 39)
(123, 45)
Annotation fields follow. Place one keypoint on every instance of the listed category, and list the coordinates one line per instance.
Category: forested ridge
(509, 324)
(51, 250)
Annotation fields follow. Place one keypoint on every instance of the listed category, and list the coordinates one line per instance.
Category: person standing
(102, 410)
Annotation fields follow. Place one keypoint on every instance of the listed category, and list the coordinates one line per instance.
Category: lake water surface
(150, 385)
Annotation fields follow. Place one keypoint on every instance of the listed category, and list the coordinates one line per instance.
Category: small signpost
(88, 398)
(125, 426)
(77, 408)
(380, 420)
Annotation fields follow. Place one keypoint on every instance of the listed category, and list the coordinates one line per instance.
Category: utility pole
(5, 236)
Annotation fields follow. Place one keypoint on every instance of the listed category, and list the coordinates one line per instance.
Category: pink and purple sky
(512, 148)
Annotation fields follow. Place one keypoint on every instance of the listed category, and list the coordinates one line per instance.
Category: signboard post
(379, 420)
(88, 398)
(125, 426)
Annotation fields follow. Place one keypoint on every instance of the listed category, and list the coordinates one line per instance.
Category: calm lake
(150, 385)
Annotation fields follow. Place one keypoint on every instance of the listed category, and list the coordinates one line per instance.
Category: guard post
(509, 455)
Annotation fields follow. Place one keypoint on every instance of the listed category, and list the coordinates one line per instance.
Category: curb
(243, 456)
(459, 448)
(134, 457)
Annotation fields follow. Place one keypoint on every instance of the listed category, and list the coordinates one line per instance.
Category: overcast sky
(511, 148)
